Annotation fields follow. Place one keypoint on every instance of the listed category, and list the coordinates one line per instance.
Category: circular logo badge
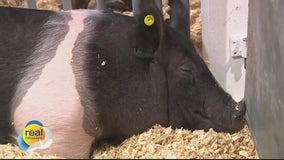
(33, 133)
(35, 136)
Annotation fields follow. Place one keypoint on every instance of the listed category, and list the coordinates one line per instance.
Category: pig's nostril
(237, 107)
(237, 117)
(239, 111)
(241, 106)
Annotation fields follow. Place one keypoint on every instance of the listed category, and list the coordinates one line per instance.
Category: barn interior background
(158, 142)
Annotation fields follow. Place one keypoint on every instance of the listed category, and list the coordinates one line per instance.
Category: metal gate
(67, 5)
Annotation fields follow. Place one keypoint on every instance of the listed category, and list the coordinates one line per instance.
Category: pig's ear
(148, 31)
(179, 16)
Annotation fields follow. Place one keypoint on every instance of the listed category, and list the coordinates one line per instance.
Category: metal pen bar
(66, 4)
(187, 19)
(135, 6)
(100, 4)
(136, 9)
(32, 4)
(159, 5)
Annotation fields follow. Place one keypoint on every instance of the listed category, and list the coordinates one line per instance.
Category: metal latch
(238, 46)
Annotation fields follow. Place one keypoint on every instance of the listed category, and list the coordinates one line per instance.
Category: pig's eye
(185, 69)
(186, 74)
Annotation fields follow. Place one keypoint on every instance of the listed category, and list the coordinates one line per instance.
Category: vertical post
(135, 6)
(179, 16)
(32, 4)
(101, 4)
(264, 83)
(159, 5)
(66, 4)
(185, 3)
(221, 20)
(136, 3)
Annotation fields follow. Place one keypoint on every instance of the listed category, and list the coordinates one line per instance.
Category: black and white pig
(92, 75)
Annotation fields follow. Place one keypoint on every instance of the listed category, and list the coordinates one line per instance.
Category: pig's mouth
(206, 123)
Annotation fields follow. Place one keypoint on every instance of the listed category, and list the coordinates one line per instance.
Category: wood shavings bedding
(10, 151)
(160, 142)
(166, 143)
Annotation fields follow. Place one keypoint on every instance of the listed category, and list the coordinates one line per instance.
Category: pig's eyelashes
(186, 70)
(186, 74)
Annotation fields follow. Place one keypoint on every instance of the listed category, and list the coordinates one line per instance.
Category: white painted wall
(220, 20)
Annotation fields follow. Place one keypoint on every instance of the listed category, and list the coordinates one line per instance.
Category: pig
(93, 76)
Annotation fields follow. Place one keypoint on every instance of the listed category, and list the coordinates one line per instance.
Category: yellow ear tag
(149, 20)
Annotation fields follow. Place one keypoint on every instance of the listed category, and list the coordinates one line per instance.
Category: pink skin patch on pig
(54, 100)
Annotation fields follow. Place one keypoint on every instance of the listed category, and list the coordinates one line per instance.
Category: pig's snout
(238, 114)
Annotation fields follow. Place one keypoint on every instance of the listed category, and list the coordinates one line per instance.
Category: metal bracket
(238, 46)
